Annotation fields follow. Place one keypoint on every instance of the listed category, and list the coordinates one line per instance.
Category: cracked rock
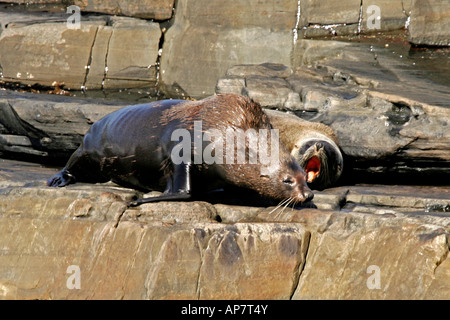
(95, 56)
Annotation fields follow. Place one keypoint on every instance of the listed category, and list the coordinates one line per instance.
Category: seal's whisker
(287, 204)
(280, 204)
(293, 205)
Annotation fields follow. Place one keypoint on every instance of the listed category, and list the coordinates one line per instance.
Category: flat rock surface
(377, 242)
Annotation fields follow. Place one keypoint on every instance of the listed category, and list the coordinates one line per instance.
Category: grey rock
(319, 12)
(230, 85)
(392, 15)
(262, 70)
(386, 121)
(197, 52)
(50, 52)
(34, 1)
(18, 18)
(46, 125)
(430, 23)
(269, 92)
(264, 83)
(350, 17)
(306, 52)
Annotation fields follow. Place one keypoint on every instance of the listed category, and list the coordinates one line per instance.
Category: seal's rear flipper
(178, 186)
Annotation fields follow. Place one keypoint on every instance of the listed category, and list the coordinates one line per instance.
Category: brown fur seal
(134, 147)
(314, 145)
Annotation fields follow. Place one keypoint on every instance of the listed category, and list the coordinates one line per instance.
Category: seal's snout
(308, 195)
(304, 192)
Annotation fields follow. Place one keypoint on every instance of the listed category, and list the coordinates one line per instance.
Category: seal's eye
(289, 180)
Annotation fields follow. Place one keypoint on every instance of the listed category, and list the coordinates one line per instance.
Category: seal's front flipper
(66, 175)
(178, 187)
(61, 179)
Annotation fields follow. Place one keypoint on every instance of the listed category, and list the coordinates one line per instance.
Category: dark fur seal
(133, 147)
(314, 145)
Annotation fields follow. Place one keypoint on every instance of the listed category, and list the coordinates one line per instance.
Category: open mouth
(312, 169)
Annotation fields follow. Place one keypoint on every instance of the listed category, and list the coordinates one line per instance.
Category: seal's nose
(305, 192)
(308, 195)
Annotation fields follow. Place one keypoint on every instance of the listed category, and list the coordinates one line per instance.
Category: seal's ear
(178, 186)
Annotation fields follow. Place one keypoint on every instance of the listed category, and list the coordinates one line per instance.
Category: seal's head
(285, 182)
(289, 182)
(322, 161)
(252, 156)
(314, 145)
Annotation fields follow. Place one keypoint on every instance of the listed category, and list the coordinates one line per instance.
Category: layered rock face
(203, 40)
(102, 53)
(81, 242)
(289, 23)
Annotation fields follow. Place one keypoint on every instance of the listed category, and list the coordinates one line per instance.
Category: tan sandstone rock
(80, 242)
(93, 56)
(150, 9)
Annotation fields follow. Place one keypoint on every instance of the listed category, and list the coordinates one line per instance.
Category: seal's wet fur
(132, 147)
